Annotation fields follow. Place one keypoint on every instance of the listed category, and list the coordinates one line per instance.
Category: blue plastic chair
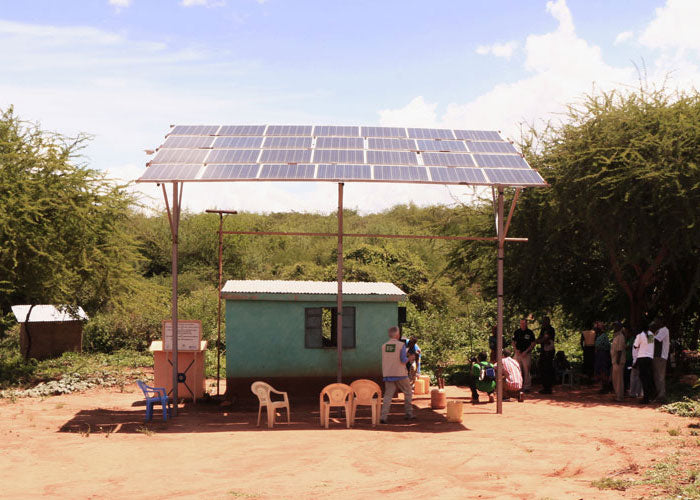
(154, 395)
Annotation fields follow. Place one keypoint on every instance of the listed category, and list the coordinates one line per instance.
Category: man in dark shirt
(524, 341)
(546, 364)
(493, 341)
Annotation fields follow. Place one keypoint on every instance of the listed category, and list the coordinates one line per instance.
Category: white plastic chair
(338, 395)
(262, 390)
(366, 393)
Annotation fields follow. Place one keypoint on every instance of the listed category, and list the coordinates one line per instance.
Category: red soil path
(542, 448)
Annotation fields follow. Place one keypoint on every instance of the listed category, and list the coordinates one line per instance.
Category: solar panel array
(338, 153)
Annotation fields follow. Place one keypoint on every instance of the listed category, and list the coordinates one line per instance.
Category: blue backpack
(488, 373)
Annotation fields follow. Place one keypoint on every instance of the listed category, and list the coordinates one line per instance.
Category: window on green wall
(321, 327)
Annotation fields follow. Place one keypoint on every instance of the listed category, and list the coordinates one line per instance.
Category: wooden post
(499, 305)
(339, 305)
(218, 310)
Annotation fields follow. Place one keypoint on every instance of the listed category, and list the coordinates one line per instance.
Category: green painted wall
(266, 339)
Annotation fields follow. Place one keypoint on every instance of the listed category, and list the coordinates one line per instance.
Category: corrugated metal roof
(43, 313)
(310, 287)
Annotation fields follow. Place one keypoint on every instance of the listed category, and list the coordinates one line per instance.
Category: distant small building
(52, 330)
(284, 332)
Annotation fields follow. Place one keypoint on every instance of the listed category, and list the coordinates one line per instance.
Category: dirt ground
(95, 445)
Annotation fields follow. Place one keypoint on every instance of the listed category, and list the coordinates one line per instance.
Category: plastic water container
(419, 387)
(427, 382)
(454, 411)
(438, 400)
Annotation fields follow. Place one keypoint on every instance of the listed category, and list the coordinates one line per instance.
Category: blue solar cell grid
(285, 156)
(188, 141)
(336, 131)
(430, 133)
(287, 172)
(453, 174)
(500, 161)
(400, 173)
(447, 159)
(194, 130)
(492, 147)
(392, 158)
(341, 172)
(242, 130)
(392, 144)
(478, 135)
(432, 145)
(287, 143)
(383, 132)
(289, 130)
(339, 156)
(233, 156)
(514, 177)
(340, 143)
(180, 156)
(169, 172)
(237, 143)
(230, 172)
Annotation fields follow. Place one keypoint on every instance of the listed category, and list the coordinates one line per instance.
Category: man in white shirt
(643, 355)
(662, 343)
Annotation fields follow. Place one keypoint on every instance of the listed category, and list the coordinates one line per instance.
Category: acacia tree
(62, 237)
(617, 233)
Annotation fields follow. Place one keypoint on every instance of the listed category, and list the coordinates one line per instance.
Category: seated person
(483, 378)
(512, 377)
(561, 364)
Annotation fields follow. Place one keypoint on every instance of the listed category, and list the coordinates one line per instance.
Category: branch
(646, 277)
(618, 273)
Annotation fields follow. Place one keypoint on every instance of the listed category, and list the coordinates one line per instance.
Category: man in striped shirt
(512, 377)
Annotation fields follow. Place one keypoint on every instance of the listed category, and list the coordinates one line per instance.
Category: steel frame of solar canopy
(500, 238)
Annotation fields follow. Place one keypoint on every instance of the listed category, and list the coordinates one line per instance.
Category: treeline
(615, 236)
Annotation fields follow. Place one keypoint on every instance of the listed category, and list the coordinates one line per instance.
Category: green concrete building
(284, 332)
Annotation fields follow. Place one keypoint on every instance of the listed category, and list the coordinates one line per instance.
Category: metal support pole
(218, 314)
(339, 306)
(499, 301)
(175, 224)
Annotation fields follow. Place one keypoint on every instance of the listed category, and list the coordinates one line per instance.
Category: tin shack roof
(44, 313)
(310, 290)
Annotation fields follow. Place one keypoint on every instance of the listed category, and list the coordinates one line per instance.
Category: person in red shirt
(512, 377)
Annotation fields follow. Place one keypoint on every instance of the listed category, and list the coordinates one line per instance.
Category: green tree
(62, 224)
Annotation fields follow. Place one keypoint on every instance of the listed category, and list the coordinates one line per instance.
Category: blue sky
(124, 70)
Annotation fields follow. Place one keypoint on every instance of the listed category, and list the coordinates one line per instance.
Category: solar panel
(399, 173)
(453, 174)
(188, 141)
(430, 133)
(289, 130)
(340, 143)
(515, 177)
(227, 171)
(431, 145)
(283, 172)
(383, 132)
(492, 147)
(287, 143)
(395, 144)
(238, 142)
(180, 156)
(285, 156)
(242, 130)
(478, 135)
(336, 131)
(194, 130)
(339, 156)
(341, 172)
(233, 156)
(169, 172)
(448, 159)
(392, 158)
(329, 152)
(500, 161)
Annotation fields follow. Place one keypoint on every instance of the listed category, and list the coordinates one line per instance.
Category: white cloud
(674, 27)
(416, 113)
(504, 50)
(623, 37)
(202, 3)
(120, 3)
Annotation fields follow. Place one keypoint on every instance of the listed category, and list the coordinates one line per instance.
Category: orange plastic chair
(338, 395)
(366, 393)
(262, 390)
